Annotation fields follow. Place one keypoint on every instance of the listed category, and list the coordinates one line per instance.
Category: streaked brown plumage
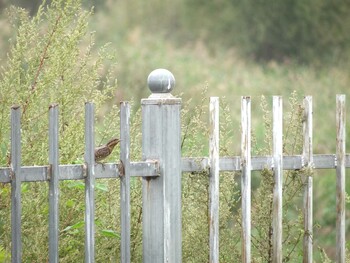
(104, 151)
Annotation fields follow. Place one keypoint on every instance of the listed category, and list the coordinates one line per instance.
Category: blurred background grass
(233, 48)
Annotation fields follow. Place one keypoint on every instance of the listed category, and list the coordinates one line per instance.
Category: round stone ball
(161, 81)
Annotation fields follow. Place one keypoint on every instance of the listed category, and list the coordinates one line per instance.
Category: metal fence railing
(161, 169)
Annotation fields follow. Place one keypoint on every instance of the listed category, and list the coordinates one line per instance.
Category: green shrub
(302, 30)
(53, 60)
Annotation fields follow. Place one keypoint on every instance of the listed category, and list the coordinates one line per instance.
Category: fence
(161, 170)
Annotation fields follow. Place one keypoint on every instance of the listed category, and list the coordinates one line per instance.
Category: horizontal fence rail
(150, 168)
(258, 163)
(78, 171)
(161, 171)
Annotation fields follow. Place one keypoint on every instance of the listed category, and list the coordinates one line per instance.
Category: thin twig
(137, 232)
(270, 231)
(41, 64)
(292, 250)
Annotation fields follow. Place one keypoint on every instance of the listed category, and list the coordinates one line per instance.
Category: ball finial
(161, 81)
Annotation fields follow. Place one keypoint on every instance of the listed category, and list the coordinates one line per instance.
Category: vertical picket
(16, 245)
(125, 181)
(246, 177)
(340, 171)
(53, 184)
(278, 177)
(308, 159)
(214, 180)
(89, 184)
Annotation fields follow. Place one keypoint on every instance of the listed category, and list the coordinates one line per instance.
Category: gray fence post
(161, 196)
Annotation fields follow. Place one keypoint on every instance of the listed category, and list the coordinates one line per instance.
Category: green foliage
(303, 30)
(53, 60)
(4, 257)
(46, 65)
(306, 31)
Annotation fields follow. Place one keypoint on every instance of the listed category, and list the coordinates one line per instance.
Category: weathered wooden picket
(161, 170)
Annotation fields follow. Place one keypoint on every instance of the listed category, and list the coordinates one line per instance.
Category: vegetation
(52, 57)
(51, 60)
(306, 31)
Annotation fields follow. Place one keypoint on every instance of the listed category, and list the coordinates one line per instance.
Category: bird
(104, 151)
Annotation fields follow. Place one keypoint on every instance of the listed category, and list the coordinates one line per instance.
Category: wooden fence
(161, 170)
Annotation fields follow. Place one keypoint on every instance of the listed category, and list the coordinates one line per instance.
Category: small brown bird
(104, 151)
